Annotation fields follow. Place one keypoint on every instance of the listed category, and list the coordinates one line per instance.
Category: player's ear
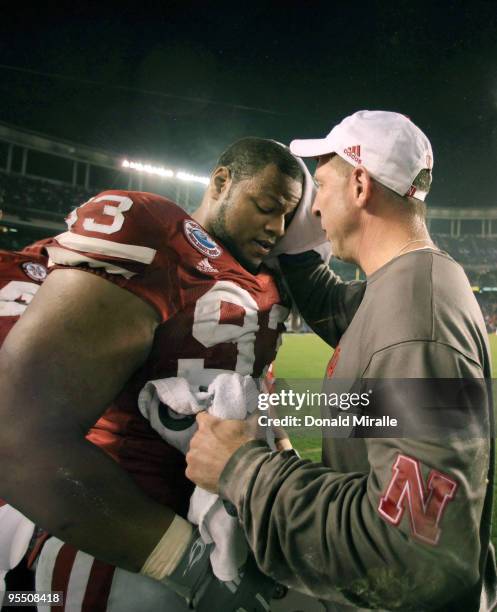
(220, 182)
(361, 185)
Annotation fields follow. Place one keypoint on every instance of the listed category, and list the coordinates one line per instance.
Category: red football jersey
(216, 316)
(21, 274)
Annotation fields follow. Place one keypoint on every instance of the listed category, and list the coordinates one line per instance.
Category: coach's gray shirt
(397, 523)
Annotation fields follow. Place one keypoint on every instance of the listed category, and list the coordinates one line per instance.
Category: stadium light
(165, 172)
(192, 178)
(148, 168)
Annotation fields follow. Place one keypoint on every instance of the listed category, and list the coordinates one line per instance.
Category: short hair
(411, 205)
(248, 156)
(423, 183)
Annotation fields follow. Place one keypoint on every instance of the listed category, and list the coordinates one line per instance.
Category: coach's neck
(390, 227)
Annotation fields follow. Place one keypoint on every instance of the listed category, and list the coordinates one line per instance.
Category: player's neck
(200, 216)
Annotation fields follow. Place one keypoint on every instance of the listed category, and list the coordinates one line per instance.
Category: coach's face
(251, 216)
(332, 203)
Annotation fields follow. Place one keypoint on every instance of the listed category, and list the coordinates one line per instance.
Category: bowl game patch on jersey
(200, 239)
(35, 271)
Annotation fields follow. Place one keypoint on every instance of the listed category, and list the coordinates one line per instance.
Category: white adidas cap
(388, 145)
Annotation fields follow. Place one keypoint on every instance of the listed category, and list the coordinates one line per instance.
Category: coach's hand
(211, 448)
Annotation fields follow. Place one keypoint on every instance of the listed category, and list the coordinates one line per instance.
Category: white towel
(229, 396)
(15, 534)
(304, 232)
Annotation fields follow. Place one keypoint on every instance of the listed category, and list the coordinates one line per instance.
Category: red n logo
(425, 505)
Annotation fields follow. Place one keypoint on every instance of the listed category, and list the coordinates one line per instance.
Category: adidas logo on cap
(354, 153)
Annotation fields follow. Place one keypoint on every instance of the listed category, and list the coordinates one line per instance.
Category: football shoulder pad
(121, 231)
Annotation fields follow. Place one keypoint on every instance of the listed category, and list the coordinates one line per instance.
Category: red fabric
(99, 586)
(231, 332)
(62, 571)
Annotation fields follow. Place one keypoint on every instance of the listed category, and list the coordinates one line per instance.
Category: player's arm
(70, 354)
(324, 531)
(327, 303)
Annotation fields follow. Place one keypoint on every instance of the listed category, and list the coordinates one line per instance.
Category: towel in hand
(170, 405)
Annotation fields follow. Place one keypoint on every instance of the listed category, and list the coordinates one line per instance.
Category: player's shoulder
(37, 250)
(135, 204)
(140, 219)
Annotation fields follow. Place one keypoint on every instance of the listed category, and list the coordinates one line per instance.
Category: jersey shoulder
(37, 249)
(131, 217)
(118, 226)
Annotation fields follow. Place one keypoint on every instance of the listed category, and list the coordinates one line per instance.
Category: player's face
(252, 216)
(333, 205)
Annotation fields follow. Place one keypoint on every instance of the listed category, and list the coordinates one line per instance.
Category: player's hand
(211, 448)
(251, 592)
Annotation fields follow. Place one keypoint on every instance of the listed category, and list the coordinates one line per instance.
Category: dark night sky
(176, 82)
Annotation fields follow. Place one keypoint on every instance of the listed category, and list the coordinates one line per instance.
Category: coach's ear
(361, 185)
(220, 182)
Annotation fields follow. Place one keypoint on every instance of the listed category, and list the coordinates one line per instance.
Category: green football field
(306, 356)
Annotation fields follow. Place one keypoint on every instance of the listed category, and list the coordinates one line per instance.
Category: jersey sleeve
(124, 237)
(326, 302)
(404, 535)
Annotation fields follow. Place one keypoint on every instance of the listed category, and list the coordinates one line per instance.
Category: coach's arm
(327, 303)
(64, 361)
(362, 537)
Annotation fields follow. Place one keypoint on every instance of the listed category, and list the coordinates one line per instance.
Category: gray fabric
(317, 527)
(327, 303)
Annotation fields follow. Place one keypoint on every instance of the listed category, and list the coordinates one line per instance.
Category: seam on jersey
(117, 280)
(432, 301)
(424, 341)
(68, 257)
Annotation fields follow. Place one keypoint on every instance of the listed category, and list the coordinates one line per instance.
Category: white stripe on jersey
(15, 534)
(106, 247)
(64, 257)
(45, 566)
(15, 297)
(128, 592)
(78, 581)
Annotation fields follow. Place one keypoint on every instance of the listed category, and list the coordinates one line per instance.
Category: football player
(140, 290)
